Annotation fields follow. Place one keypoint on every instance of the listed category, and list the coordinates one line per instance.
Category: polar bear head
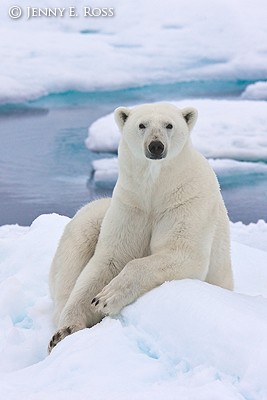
(155, 131)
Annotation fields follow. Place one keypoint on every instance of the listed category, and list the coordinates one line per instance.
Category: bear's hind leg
(75, 249)
(220, 268)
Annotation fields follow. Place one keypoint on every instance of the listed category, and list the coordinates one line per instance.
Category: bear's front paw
(60, 335)
(109, 301)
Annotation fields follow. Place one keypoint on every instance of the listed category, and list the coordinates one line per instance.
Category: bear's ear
(121, 114)
(190, 116)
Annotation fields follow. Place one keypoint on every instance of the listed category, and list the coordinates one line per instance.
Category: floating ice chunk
(103, 135)
(229, 171)
(230, 129)
(254, 234)
(105, 172)
(227, 130)
(256, 91)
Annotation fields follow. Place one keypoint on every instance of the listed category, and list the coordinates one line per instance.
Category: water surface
(45, 166)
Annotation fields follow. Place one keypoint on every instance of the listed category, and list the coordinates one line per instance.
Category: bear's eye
(141, 126)
(169, 126)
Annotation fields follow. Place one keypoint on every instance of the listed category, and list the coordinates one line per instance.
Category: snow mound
(25, 255)
(185, 339)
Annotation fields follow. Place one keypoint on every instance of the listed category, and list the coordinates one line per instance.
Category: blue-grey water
(45, 166)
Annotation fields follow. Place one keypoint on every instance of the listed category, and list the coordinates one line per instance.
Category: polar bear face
(155, 131)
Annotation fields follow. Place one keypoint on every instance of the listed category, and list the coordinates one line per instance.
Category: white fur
(166, 220)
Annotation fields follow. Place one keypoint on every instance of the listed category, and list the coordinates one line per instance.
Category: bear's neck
(152, 177)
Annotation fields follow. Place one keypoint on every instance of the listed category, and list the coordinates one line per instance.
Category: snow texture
(186, 339)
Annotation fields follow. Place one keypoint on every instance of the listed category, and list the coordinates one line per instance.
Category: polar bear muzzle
(155, 150)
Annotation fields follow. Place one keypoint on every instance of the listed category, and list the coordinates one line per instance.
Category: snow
(141, 45)
(186, 339)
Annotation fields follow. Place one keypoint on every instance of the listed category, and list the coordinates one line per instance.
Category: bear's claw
(109, 301)
(60, 335)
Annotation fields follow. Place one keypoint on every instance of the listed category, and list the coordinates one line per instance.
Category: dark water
(45, 166)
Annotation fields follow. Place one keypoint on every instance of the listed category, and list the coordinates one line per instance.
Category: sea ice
(230, 129)
(142, 44)
(227, 131)
(256, 91)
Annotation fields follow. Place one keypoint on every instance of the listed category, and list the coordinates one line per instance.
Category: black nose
(156, 148)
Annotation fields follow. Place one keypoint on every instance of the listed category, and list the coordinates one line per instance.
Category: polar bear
(166, 220)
